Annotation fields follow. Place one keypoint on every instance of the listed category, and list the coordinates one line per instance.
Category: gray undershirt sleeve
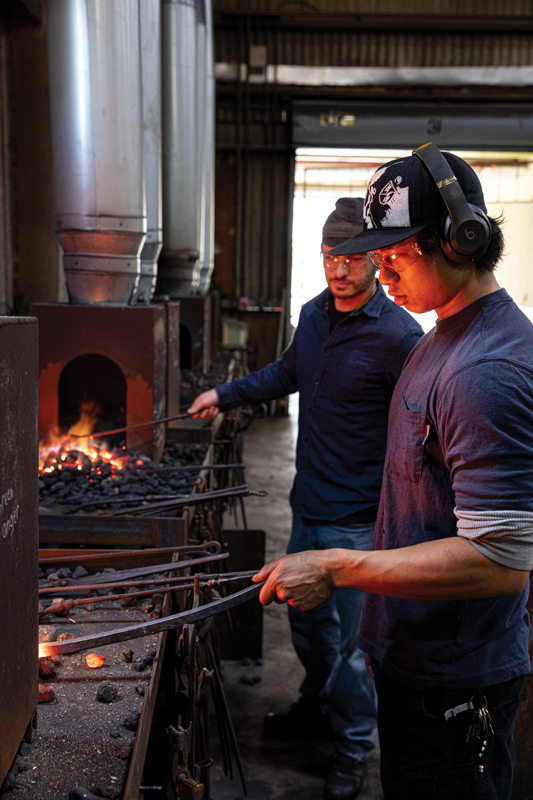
(505, 537)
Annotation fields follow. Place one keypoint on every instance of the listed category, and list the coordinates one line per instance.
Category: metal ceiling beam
(498, 24)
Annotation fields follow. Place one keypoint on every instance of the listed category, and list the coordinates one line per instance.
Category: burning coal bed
(92, 479)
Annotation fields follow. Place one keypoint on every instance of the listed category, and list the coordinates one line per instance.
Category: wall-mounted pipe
(150, 18)
(201, 98)
(208, 263)
(178, 273)
(96, 106)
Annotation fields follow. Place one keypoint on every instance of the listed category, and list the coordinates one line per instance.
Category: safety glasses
(348, 262)
(396, 257)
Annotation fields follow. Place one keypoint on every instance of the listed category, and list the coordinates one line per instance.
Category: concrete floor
(274, 770)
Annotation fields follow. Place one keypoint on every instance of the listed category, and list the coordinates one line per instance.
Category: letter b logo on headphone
(468, 235)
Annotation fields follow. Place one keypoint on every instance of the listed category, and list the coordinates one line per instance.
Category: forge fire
(88, 473)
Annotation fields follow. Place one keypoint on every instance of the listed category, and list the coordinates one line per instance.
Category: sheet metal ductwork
(201, 97)
(179, 267)
(97, 132)
(150, 15)
(208, 260)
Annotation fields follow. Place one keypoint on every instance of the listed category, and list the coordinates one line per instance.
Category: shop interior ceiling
(290, 71)
(258, 40)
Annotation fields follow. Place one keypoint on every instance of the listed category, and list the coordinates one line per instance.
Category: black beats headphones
(465, 230)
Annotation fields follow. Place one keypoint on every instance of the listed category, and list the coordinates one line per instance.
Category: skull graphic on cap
(386, 202)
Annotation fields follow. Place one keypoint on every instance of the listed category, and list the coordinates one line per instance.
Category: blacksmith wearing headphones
(344, 360)
(445, 624)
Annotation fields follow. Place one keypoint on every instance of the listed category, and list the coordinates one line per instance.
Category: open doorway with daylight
(323, 175)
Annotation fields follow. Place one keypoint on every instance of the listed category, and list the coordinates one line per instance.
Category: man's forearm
(446, 569)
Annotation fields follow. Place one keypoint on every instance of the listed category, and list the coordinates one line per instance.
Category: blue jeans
(426, 757)
(325, 640)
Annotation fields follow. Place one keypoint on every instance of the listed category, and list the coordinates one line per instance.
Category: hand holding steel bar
(149, 628)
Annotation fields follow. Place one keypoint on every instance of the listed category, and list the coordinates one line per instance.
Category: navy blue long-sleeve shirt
(345, 379)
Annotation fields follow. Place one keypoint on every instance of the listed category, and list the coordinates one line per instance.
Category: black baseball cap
(402, 198)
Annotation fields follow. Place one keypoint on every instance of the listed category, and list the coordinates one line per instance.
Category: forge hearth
(122, 360)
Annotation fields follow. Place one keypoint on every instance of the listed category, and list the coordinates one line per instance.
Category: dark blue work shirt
(345, 379)
(460, 436)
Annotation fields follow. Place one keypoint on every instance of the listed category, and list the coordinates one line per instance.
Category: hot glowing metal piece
(94, 660)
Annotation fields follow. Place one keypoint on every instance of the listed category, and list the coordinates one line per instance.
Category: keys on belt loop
(481, 728)
(452, 712)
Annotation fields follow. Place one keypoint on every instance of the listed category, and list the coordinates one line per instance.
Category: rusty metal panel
(18, 532)
(173, 359)
(112, 532)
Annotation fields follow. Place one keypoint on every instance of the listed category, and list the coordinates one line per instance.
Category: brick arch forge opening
(95, 384)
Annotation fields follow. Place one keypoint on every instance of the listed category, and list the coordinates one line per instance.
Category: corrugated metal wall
(343, 48)
(254, 203)
(460, 8)
(265, 244)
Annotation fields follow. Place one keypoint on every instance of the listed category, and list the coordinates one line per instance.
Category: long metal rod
(124, 574)
(67, 604)
(181, 579)
(189, 500)
(170, 501)
(119, 501)
(120, 554)
(185, 467)
(129, 427)
(149, 628)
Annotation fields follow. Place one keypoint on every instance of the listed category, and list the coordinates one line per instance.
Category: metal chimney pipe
(178, 264)
(150, 11)
(95, 94)
(208, 264)
(201, 109)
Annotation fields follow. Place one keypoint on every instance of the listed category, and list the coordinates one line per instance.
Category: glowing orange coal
(94, 660)
(60, 451)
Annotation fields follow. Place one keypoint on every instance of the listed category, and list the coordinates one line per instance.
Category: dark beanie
(345, 222)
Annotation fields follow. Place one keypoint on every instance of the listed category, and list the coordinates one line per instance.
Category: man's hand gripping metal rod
(147, 628)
